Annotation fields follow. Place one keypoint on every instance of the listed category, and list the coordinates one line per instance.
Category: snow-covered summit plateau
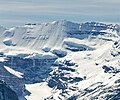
(62, 60)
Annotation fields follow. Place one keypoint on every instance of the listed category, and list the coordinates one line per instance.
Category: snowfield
(62, 60)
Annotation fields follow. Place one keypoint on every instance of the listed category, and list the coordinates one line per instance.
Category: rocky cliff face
(34, 69)
(16, 84)
(6, 93)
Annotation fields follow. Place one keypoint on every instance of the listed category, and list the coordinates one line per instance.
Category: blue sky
(19, 12)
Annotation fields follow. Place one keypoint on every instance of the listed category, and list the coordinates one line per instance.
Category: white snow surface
(46, 39)
(16, 73)
(38, 90)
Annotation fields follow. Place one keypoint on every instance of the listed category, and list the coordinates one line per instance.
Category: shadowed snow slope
(69, 61)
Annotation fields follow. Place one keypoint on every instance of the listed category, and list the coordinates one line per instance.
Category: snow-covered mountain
(62, 60)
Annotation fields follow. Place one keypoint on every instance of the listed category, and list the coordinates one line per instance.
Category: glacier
(62, 60)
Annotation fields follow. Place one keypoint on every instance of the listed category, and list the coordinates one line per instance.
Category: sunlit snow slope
(63, 60)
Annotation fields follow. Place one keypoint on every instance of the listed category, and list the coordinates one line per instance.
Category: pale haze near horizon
(19, 12)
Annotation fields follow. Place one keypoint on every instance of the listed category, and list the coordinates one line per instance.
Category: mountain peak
(68, 60)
